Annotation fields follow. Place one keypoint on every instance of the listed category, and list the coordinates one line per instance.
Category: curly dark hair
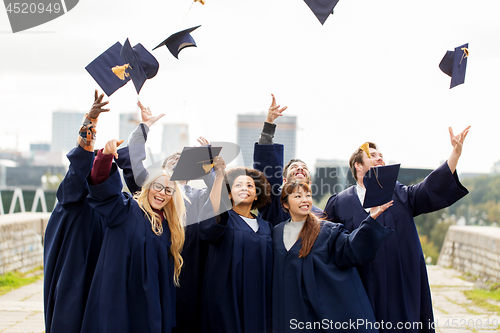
(262, 186)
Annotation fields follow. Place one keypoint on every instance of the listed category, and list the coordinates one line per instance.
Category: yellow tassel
(465, 54)
(207, 167)
(201, 1)
(120, 71)
(366, 148)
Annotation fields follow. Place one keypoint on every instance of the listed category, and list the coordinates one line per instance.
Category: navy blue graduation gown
(324, 287)
(269, 160)
(72, 242)
(194, 252)
(396, 280)
(237, 287)
(133, 288)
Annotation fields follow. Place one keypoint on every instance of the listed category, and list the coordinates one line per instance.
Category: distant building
(127, 124)
(250, 127)
(174, 138)
(39, 147)
(495, 169)
(64, 127)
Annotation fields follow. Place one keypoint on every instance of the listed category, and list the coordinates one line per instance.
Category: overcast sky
(369, 73)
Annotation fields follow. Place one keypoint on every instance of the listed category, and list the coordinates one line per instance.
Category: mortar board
(142, 64)
(322, 8)
(454, 64)
(195, 162)
(100, 69)
(179, 41)
(379, 183)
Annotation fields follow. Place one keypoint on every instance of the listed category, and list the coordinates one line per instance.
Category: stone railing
(21, 241)
(474, 250)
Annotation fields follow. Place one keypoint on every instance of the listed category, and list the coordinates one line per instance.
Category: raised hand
(147, 116)
(202, 141)
(274, 111)
(96, 108)
(219, 165)
(376, 211)
(111, 147)
(457, 141)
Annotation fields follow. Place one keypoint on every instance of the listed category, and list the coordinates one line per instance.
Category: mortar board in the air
(179, 41)
(454, 64)
(100, 69)
(142, 64)
(119, 64)
(322, 8)
(379, 184)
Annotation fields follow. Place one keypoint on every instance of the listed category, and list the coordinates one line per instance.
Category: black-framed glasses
(159, 187)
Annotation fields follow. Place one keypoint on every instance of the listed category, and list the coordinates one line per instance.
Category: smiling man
(268, 158)
(396, 280)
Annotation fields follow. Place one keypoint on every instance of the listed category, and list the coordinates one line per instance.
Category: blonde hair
(175, 214)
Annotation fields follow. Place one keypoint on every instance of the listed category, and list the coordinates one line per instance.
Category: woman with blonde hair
(316, 286)
(133, 289)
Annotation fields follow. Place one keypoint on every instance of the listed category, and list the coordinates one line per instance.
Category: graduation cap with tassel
(179, 41)
(120, 64)
(454, 64)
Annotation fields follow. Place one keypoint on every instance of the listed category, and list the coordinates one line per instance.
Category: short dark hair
(293, 160)
(357, 157)
(262, 186)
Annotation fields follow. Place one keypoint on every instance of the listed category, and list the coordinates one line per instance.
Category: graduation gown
(324, 287)
(194, 252)
(237, 287)
(133, 288)
(72, 243)
(269, 160)
(396, 280)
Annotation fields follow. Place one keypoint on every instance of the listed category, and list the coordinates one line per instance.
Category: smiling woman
(314, 265)
(133, 288)
(237, 285)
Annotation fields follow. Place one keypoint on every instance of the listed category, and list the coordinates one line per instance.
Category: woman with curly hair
(133, 289)
(237, 286)
(316, 286)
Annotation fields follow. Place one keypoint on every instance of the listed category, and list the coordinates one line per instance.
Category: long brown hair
(310, 230)
(174, 212)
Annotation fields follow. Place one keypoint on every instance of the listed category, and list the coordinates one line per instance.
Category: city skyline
(369, 73)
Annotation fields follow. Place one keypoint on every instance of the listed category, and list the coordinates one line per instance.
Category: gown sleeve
(131, 158)
(73, 188)
(358, 247)
(438, 190)
(212, 231)
(106, 197)
(269, 160)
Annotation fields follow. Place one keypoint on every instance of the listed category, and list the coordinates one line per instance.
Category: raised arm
(361, 245)
(267, 134)
(215, 193)
(73, 188)
(134, 154)
(457, 142)
(105, 187)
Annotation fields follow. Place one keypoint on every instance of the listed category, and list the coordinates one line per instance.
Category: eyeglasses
(159, 187)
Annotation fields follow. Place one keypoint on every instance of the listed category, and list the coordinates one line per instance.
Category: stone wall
(21, 241)
(474, 250)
